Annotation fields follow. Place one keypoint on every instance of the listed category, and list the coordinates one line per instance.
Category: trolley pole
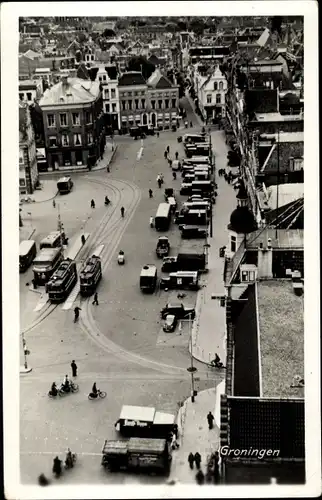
(60, 227)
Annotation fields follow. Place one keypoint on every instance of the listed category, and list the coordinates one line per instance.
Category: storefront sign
(135, 423)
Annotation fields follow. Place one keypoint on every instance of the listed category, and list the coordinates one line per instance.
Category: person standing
(200, 477)
(95, 301)
(76, 313)
(83, 239)
(122, 211)
(191, 459)
(168, 149)
(210, 419)
(74, 368)
(54, 203)
(150, 193)
(198, 459)
(92, 204)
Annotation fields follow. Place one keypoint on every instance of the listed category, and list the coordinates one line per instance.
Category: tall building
(28, 173)
(133, 105)
(163, 101)
(73, 123)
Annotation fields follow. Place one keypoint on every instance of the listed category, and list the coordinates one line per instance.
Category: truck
(179, 310)
(195, 217)
(163, 247)
(137, 454)
(181, 280)
(184, 262)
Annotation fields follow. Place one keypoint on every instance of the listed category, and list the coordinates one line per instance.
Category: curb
(98, 167)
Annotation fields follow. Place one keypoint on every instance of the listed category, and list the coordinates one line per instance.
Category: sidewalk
(47, 192)
(209, 329)
(194, 434)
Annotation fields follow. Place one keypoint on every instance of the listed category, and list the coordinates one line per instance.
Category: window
(67, 158)
(104, 78)
(21, 96)
(77, 139)
(143, 103)
(298, 163)
(52, 141)
(63, 119)
(129, 104)
(209, 98)
(113, 107)
(160, 103)
(51, 121)
(76, 119)
(88, 116)
(65, 140)
(215, 85)
(174, 103)
(100, 78)
(112, 93)
(89, 138)
(107, 108)
(166, 103)
(123, 105)
(218, 98)
(79, 157)
(20, 157)
(153, 104)
(106, 94)
(136, 103)
(221, 85)
(29, 98)
(233, 243)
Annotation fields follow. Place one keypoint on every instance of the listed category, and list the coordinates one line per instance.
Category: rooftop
(76, 91)
(159, 81)
(277, 117)
(286, 194)
(131, 78)
(292, 239)
(28, 84)
(285, 136)
(281, 330)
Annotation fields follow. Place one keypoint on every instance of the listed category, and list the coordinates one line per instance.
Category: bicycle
(100, 394)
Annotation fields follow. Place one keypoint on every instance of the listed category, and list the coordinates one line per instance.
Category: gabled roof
(131, 78)
(76, 91)
(32, 54)
(289, 216)
(158, 81)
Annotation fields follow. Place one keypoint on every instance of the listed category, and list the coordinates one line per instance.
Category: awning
(138, 117)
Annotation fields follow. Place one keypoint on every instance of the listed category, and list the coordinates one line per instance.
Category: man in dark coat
(210, 419)
(191, 460)
(74, 368)
(198, 459)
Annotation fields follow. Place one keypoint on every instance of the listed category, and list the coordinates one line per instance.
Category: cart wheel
(102, 394)
(75, 388)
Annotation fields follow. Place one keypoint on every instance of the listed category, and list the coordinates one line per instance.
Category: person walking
(54, 203)
(191, 459)
(177, 154)
(150, 193)
(159, 181)
(170, 162)
(176, 431)
(74, 368)
(92, 204)
(95, 301)
(83, 239)
(166, 154)
(174, 175)
(76, 313)
(200, 477)
(168, 149)
(210, 419)
(198, 459)
(122, 212)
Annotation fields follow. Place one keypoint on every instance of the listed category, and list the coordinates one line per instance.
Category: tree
(276, 24)
(141, 64)
(108, 33)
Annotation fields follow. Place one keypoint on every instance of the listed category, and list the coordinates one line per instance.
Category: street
(118, 344)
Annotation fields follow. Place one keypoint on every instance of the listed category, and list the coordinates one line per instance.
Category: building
(133, 100)
(108, 78)
(162, 100)
(263, 408)
(30, 90)
(28, 173)
(210, 85)
(208, 53)
(73, 123)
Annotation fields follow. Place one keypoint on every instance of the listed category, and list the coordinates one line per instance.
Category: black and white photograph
(156, 337)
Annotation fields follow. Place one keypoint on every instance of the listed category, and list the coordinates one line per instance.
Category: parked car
(179, 310)
(170, 323)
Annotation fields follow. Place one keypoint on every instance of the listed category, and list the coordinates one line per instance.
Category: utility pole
(278, 175)
(191, 369)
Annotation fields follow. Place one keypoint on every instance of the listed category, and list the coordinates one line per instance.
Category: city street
(119, 343)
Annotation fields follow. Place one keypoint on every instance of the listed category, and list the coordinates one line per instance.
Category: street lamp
(191, 369)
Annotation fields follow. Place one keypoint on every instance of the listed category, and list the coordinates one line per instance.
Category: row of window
(110, 108)
(219, 100)
(218, 85)
(51, 119)
(107, 93)
(159, 104)
(28, 96)
(142, 93)
(53, 140)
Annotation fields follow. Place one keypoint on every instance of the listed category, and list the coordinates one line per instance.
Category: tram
(90, 275)
(62, 281)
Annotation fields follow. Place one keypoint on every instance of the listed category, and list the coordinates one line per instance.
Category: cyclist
(94, 390)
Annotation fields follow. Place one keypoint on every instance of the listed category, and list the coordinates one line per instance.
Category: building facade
(162, 101)
(107, 76)
(73, 123)
(133, 102)
(211, 94)
(28, 173)
(30, 90)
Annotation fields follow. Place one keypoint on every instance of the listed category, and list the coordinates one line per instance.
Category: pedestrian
(74, 368)
(76, 312)
(191, 459)
(174, 445)
(54, 203)
(150, 193)
(151, 221)
(108, 169)
(191, 124)
(159, 181)
(158, 134)
(200, 477)
(83, 239)
(166, 154)
(176, 430)
(95, 301)
(122, 211)
(168, 149)
(210, 419)
(174, 175)
(92, 204)
(198, 459)
(170, 163)
(177, 154)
